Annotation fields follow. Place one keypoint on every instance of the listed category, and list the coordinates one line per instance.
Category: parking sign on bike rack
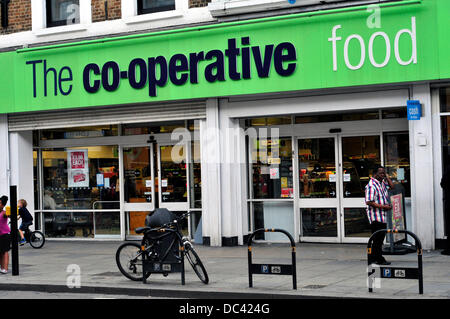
(272, 269)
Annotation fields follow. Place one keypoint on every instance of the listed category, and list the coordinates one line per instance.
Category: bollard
(272, 269)
(399, 272)
(14, 231)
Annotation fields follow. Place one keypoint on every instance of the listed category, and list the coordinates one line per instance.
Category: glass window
(195, 176)
(337, 117)
(137, 174)
(151, 6)
(36, 179)
(80, 132)
(268, 121)
(173, 174)
(319, 222)
(445, 99)
(151, 128)
(360, 156)
(317, 168)
(62, 12)
(272, 168)
(396, 113)
(81, 178)
(396, 159)
(356, 223)
(273, 215)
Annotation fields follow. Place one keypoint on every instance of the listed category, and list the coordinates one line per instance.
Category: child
(27, 219)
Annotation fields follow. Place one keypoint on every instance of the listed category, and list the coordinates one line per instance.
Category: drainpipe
(4, 4)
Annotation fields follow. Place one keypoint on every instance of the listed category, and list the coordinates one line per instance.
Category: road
(47, 295)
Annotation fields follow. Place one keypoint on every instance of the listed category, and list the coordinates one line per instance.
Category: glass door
(139, 185)
(359, 155)
(318, 189)
(173, 177)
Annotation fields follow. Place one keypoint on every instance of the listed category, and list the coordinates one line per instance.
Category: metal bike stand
(387, 272)
(170, 264)
(272, 269)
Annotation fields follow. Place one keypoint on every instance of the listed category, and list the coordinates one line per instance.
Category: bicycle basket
(159, 217)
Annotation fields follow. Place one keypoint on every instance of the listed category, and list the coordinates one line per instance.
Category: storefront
(273, 122)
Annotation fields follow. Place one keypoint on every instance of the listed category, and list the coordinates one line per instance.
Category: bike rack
(166, 266)
(272, 269)
(397, 272)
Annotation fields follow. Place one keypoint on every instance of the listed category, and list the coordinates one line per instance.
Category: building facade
(249, 114)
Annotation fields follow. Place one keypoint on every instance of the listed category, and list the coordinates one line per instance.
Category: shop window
(79, 132)
(445, 99)
(319, 222)
(151, 128)
(152, 6)
(81, 178)
(396, 159)
(272, 168)
(337, 117)
(195, 176)
(269, 121)
(396, 113)
(62, 12)
(317, 168)
(36, 179)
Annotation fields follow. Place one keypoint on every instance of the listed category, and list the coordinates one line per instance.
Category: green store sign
(404, 42)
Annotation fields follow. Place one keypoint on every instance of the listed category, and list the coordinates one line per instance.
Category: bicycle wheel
(196, 264)
(129, 261)
(37, 239)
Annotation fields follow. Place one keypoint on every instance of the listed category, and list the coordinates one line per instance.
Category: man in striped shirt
(377, 200)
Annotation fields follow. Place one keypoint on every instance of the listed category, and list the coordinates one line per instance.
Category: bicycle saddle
(141, 230)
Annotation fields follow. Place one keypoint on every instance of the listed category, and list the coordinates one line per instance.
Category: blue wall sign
(414, 110)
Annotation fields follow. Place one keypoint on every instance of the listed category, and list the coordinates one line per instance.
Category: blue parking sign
(414, 110)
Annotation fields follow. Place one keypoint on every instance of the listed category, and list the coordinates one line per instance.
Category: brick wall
(19, 17)
(198, 3)
(98, 10)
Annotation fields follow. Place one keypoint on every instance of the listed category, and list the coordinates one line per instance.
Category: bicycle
(35, 238)
(158, 246)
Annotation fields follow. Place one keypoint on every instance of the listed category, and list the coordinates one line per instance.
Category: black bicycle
(158, 244)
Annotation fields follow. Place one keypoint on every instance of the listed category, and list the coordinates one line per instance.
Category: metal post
(14, 231)
(250, 271)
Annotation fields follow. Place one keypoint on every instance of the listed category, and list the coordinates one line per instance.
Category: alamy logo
(74, 278)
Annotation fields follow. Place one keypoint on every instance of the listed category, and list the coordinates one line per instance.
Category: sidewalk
(323, 270)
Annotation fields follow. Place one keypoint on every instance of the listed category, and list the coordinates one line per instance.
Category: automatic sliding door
(139, 185)
(360, 155)
(318, 189)
(172, 172)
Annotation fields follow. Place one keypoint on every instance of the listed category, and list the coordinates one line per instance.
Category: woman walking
(5, 238)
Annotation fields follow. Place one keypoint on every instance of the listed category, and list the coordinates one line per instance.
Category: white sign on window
(78, 168)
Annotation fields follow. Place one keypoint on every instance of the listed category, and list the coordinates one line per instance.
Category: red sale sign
(77, 159)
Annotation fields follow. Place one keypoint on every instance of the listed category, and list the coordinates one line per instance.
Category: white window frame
(39, 19)
(130, 12)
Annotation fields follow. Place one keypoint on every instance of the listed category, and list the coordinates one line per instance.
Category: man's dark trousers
(377, 243)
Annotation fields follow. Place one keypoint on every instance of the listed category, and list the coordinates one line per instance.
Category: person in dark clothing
(445, 184)
(27, 219)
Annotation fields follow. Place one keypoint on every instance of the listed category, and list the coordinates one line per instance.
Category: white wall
(422, 175)
(21, 155)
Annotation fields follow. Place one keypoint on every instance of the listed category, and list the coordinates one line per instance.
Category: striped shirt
(377, 192)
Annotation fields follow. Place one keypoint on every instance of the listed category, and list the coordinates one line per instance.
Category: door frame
(347, 129)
